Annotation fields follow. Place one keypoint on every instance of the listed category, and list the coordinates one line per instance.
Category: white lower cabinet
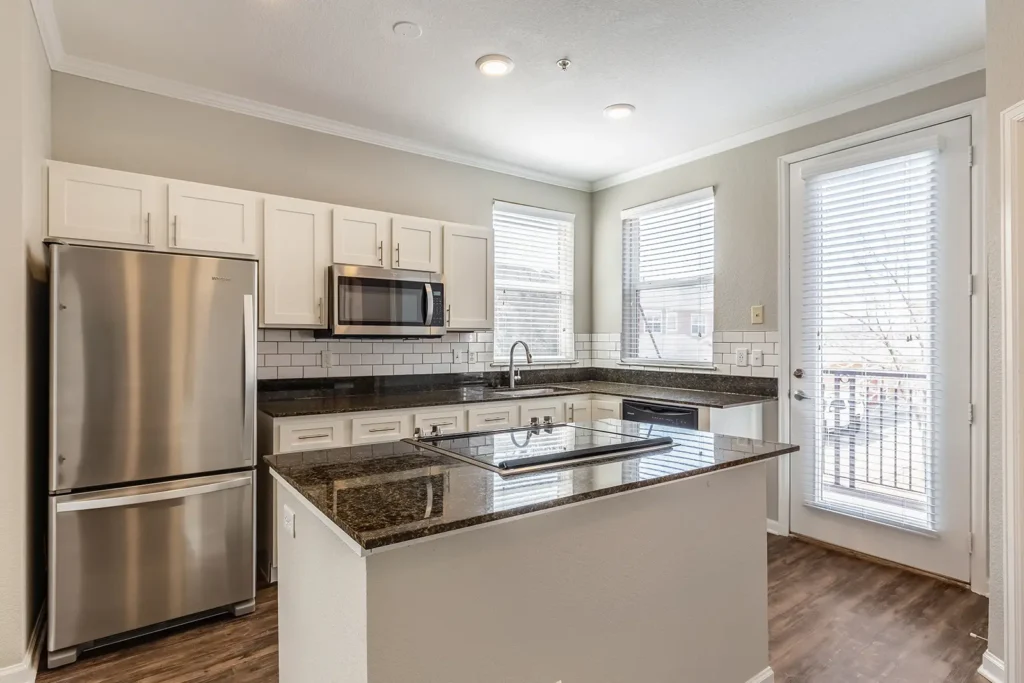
(546, 410)
(498, 416)
(312, 433)
(577, 410)
(601, 409)
(444, 422)
(371, 428)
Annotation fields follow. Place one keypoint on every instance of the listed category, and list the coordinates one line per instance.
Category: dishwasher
(653, 413)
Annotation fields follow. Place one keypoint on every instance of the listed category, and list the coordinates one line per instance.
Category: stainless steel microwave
(375, 302)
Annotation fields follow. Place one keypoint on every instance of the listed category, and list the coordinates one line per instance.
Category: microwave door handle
(430, 303)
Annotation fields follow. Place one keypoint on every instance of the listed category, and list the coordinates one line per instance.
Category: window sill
(524, 365)
(708, 367)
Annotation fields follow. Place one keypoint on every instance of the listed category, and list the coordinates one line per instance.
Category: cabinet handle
(320, 310)
(572, 413)
(174, 231)
(148, 239)
(314, 436)
(382, 429)
(441, 424)
(398, 254)
(494, 419)
(449, 314)
(380, 252)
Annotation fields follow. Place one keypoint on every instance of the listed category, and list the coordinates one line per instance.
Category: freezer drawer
(131, 557)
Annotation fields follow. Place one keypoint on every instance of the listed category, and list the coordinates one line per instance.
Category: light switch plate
(288, 521)
(757, 358)
(459, 356)
(757, 315)
(472, 356)
(742, 356)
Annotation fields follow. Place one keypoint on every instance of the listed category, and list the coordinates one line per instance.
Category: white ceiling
(698, 71)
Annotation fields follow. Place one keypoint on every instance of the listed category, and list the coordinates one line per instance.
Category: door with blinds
(880, 347)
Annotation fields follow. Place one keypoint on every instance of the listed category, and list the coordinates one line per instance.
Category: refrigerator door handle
(249, 381)
(157, 496)
(54, 387)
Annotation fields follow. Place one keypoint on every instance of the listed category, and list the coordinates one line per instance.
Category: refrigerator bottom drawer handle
(155, 497)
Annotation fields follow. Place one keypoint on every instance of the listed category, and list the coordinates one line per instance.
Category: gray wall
(25, 120)
(105, 125)
(746, 208)
(1005, 88)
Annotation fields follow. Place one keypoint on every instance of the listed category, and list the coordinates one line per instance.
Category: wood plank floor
(833, 619)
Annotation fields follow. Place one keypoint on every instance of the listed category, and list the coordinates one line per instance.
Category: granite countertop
(390, 493)
(351, 403)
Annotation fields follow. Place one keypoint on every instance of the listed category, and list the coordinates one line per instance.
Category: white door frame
(979, 316)
(1012, 203)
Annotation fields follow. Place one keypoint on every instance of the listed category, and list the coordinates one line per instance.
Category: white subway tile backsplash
(403, 369)
(753, 336)
(303, 360)
(361, 347)
(263, 348)
(314, 347)
(732, 336)
(362, 370)
(422, 369)
(412, 358)
(392, 358)
(302, 335)
(339, 371)
(431, 358)
(289, 347)
(314, 372)
(423, 347)
(371, 359)
(774, 337)
(383, 369)
(266, 373)
(383, 347)
(289, 373)
(340, 347)
(764, 371)
(277, 360)
(441, 368)
(277, 335)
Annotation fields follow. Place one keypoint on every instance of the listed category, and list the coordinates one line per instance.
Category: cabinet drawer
(544, 411)
(378, 428)
(493, 417)
(447, 421)
(600, 409)
(311, 434)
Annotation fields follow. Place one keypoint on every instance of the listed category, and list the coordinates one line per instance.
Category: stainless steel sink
(533, 391)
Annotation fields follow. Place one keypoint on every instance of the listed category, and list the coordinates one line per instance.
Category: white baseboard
(25, 671)
(992, 668)
(775, 527)
(766, 676)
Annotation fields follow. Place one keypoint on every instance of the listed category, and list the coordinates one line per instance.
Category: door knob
(800, 396)
(798, 373)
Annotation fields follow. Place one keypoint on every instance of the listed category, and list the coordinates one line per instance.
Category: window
(533, 282)
(698, 325)
(668, 253)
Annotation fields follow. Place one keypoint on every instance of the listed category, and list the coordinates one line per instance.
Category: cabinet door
(98, 204)
(362, 237)
(469, 277)
(295, 260)
(416, 244)
(311, 433)
(447, 421)
(602, 409)
(211, 218)
(486, 418)
(545, 411)
(577, 410)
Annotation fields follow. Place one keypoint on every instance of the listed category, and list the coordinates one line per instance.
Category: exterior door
(362, 237)
(153, 366)
(879, 263)
(295, 260)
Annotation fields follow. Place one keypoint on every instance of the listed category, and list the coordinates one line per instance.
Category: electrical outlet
(757, 315)
(757, 358)
(289, 521)
(459, 356)
(742, 356)
(325, 359)
(472, 356)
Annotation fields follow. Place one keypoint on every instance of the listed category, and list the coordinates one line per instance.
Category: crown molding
(49, 31)
(961, 66)
(59, 60)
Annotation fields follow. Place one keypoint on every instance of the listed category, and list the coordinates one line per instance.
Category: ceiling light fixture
(494, 65)
(407, 29)
(619, 111)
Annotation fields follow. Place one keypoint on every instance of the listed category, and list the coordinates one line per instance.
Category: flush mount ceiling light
(619, 111)
(494, 65)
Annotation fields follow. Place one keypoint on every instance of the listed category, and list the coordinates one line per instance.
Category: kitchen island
(398, 564)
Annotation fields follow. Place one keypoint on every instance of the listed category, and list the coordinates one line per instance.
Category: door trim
(975, 109)
(1012, 129)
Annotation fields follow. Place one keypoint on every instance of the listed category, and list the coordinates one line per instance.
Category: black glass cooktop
(532, 448)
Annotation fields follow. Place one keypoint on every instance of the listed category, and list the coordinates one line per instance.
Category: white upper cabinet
(362, 237)
(98, 204)
(211, 218)
(416, 244)
(469, 277)
(296, 254)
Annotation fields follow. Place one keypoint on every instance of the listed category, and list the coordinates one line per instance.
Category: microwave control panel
(438, 319)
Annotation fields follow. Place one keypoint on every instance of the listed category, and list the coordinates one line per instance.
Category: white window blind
(533, 282)
(870, 278)
(668, 272)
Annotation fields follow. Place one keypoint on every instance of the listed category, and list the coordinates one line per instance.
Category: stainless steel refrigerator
(152, 442)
